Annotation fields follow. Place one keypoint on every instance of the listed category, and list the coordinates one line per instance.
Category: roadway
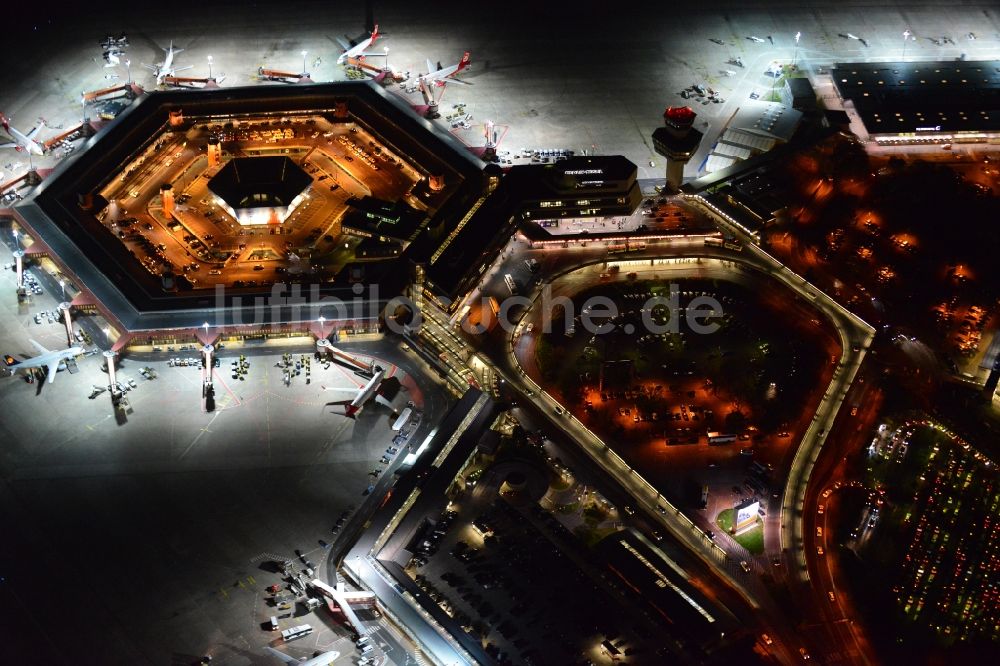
(855, 337)
(343, 163)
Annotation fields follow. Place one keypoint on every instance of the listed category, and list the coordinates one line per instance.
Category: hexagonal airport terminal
(328, 185)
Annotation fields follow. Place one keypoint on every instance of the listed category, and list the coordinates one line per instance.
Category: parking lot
(512, 573)
(204, 245)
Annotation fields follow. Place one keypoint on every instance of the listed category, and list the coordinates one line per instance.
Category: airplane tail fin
(4, 122)
(464, 62)
(10, 360)
(375, 33)
(349, 409)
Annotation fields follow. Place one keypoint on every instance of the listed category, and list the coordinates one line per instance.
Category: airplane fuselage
(47, 359)
(23, 142)
(357, 51)
(366, 393)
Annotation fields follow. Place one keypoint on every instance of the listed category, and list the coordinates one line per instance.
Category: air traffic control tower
(677, 141)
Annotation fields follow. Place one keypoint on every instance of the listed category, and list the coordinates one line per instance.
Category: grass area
(568, 508)
(752, 540)
(594, 515)
(590, 536)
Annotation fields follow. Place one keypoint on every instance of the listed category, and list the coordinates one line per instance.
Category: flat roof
(420, 491)
(769, 119)
(136, 300)
(922, 97)
(253, 182)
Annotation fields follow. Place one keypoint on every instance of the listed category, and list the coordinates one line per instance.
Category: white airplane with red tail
(440, 77)
(22, 142)
(358, 50)
(370, 390)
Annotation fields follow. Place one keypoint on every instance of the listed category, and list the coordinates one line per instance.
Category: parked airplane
(362, 396)
(324, 659)
(358, 50)
(22, 142)
(45, 359)
(166, 68)
(438, 76)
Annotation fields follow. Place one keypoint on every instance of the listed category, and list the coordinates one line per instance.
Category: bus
(402, 420)
(704, 496)
(296, 632)
(617, 248)
(508, 280)
(713, 241)
(733, 245)
(716, 438)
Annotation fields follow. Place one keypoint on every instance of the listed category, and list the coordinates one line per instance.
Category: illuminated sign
(935, 128)
(584, 172)
(746, 514)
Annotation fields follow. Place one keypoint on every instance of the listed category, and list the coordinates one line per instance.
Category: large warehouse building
(923, 102)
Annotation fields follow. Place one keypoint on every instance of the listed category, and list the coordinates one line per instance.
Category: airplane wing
(345, 391)
(287, 658)
(430, 67)
(181, 69)
(53, 368)
(344, 45)
(454, 80)
(35, 130)
(8, 144)
(39, 347)
(152, 68)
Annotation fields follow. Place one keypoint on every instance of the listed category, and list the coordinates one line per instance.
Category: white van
(366, 649)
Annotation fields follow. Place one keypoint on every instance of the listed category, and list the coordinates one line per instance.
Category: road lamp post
(304, 52)
(62, 285)
(906, 37)
(128, 69)
(795, 54)
(386, 49)
(209, 66)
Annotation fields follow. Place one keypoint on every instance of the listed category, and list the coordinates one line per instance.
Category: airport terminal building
(262, 211)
